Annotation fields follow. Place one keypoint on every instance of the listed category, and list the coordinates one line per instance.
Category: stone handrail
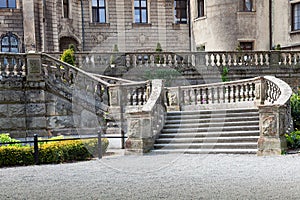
(213, 96)
(12, 65)
(65, 79)
(145, 123)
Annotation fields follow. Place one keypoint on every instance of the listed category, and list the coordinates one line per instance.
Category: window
(200, 8)
(140, 11)
(99, 11)
(296, 16)
(180, 11)
(9, 43)
(246, 46)
(66, 8)
(7, 3)
(247, 5)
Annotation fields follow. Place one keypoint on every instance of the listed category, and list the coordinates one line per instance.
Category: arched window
(9, 43)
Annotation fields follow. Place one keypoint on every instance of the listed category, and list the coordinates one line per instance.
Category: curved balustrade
(208, 95)
(12, 65)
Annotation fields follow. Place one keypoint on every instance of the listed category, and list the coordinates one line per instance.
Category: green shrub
(14, 155)
(68, 56)
(224, 75)
(51, 152)
(293, 139)
(4, 138)
(295, 109)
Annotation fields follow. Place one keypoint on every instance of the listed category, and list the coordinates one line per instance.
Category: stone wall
(224, 25)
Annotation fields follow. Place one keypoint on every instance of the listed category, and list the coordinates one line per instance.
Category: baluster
(195, 96)
(152, 59)
(207, 59)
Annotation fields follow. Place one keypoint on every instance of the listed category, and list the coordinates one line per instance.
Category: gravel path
(175, 176)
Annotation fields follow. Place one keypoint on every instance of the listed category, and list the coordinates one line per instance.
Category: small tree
(112, 57)
(68, 55)
(158, 50)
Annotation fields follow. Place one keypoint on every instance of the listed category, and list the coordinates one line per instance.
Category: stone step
(210, 134)
(208, 120)
(205, 151)
(210, 116)
(209, 112)
(240, 145)
(210, 129)
(207, 139)
(212, 124)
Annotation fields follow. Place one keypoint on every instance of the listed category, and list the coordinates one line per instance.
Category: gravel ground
(175, 176)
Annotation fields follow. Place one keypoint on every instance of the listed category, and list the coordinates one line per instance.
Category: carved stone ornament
(134, 128)
(173, 98)
(269, 126)
(143, 39)
(99, 38)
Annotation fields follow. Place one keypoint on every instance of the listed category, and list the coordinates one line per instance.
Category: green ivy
(293, 139)
(295, 109)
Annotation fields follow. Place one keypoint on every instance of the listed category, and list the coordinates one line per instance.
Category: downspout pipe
(82, 24)
(271, 23)
(190, 25)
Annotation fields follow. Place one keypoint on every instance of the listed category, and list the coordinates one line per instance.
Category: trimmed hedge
(51, 152)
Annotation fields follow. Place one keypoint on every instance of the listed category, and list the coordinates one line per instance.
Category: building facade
(138, 25)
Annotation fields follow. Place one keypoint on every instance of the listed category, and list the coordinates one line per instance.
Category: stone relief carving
(143, 39)
(173, 98)
(99, 38)
(269, 126)
(134, 128)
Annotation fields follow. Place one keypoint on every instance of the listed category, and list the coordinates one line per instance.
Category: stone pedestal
(272, 130)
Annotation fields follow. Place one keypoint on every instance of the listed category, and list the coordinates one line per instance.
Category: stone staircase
(233, 131)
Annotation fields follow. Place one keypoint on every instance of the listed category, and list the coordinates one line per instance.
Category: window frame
(180, 9)
(7, 4)
(293, 16)
(98, 8)
(200, 8)
(66, 8)
(9, 35)
(245, 9)
(140, 10)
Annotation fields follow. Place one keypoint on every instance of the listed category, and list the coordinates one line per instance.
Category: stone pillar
(174, 99)
(140, 137)
(272, 129)
(29, 25)
(36, 122)
(260, 92)
(116, 109)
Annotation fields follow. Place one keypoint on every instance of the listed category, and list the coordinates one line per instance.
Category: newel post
(272, 123)
(116, 108)
(260, 91)
(141, 122)
(34, 67)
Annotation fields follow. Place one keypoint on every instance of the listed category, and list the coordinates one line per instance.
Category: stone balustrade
(12, 65)
(213, 96)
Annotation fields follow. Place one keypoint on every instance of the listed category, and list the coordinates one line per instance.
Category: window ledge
(99, 24)
(246, 12)
(200, 18)
(10, 10)
(295, 32)
(141, 24)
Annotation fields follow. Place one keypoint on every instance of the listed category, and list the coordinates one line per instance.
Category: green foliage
(158, 47)
(295, 109)
(51, 152)
(224, 75)
(293, 139)
(68, 56)
(4, 138)
(14, 155)
(113, 57)
(167, 74)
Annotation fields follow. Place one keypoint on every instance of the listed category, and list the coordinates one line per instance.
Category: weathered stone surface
(12, 123)
(60, 122)
(36, 122)
(11, 96)
(35, 109)
(35, 96)
(3, 110)
(16, 110)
